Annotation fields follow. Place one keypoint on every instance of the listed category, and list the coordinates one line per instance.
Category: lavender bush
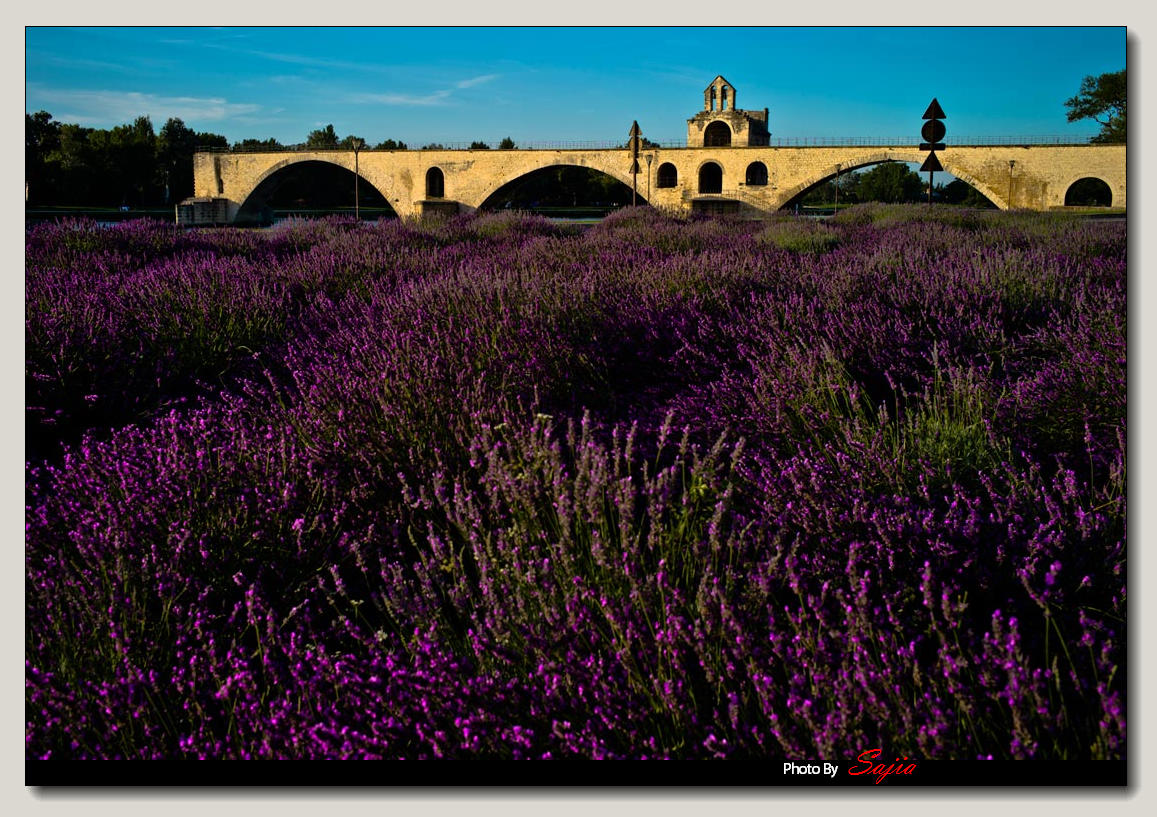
(662, 488)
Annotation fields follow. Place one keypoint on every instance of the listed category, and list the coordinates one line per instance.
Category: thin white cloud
(438, 97)
(470, 83)
(298, 59)
(294, 59)
(67, 61)
(432, 98)
(103, 108)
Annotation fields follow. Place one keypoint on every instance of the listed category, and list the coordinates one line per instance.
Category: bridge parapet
(671, 143)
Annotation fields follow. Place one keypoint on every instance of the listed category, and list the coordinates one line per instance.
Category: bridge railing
(787, 141)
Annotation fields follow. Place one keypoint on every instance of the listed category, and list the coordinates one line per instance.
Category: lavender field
(493, 487)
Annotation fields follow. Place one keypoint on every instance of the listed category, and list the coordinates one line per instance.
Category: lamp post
(649, 158)
(1011, 165)
(357, 145)
(633, 144)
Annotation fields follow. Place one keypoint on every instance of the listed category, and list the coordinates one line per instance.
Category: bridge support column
(439, 207)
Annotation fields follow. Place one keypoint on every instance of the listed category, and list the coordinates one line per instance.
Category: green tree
(130, 160)
(176, 144)
(890, 182)
(211, 140)
(352, 142)
(479, 146)
(322, 138)
(41, 156)
(79, 166)
(506, 144)
(433, 146)
(644, 144)
(961, 192)
(258, 145)
(1102, 99)
(824, 193)
(390, 144)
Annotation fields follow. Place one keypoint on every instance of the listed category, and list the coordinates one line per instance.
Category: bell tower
(721, 123)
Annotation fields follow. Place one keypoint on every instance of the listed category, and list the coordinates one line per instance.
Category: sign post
(634, 144)
(358, 144)
(933, 131)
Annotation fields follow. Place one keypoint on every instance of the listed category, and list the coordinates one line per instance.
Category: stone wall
(1038, 178)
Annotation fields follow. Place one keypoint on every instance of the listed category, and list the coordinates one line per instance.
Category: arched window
(717, 135)
(1088, 192)
(757, 173)
(711, 178)
(435, 183)
(668, 175)
(712, 100)
(723, 98)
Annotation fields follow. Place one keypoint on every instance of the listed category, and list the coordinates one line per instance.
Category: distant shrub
(800, 237)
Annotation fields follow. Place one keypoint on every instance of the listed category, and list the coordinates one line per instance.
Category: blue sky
(454, 85)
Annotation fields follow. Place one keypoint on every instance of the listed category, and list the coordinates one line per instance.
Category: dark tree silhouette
(1102, 99)
(322, 138)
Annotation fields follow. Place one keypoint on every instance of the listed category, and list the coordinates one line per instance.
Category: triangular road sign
(934, 111)
(636, 132)
(931, 163)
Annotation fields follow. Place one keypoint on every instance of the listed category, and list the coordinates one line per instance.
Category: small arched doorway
(1088, 192)
(711, 178)
(668, 175)
(435, 183)
(717, 135)
(757, 174)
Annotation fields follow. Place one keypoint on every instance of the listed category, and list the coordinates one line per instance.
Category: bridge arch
(508, 181)
(978, 185)
(266, 183)
(1089, 191)
(856, 162)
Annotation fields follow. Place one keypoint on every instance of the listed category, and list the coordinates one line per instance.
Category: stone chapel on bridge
(721, 124)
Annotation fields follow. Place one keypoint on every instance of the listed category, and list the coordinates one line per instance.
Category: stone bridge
(757, 178)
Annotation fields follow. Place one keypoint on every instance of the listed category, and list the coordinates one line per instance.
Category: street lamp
(357, 145)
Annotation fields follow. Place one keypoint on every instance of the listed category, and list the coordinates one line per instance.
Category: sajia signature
(869, 766)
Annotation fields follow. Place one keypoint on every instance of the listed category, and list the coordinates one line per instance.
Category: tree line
(128, 165)
(894, 183)
(133, 165)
